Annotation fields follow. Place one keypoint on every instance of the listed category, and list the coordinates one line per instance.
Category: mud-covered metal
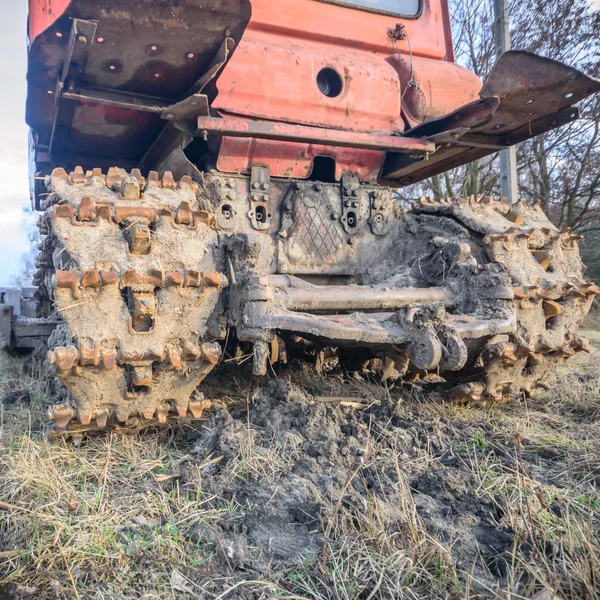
(150, 291)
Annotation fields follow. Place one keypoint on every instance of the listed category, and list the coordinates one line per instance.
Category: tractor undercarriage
(153, 280)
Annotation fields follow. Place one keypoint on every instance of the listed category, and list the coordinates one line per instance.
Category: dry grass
(110, 519)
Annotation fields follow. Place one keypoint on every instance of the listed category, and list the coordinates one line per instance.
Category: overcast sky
(14, 185)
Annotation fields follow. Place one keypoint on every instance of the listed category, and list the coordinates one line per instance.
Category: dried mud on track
(294, 494)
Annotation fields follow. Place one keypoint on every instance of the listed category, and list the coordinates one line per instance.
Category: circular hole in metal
(261, 214)
(100, 40)
(569, 95)
(227, 211)
(329, 82)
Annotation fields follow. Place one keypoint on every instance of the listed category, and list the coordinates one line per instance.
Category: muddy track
(551, 295)
(127, 342)
(129, 264)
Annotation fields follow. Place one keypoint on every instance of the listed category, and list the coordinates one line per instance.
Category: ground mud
(298, 462)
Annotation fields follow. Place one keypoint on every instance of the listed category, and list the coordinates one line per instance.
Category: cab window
(401, 8)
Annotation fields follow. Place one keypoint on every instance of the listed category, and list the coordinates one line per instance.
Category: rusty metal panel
(368, 97)
(296, 159)
(437, 87)
(297, 133)
(147, 47)
(524, 95)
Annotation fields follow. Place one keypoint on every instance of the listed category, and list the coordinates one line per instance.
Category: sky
(14, 182)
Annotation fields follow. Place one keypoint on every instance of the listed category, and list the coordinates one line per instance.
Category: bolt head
(334, 216)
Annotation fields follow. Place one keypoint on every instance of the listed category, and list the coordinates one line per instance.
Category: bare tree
(560, 168)
(27, 266)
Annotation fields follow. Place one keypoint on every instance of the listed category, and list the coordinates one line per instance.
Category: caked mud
(310, 470)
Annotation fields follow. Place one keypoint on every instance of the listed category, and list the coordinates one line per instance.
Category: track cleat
(168, 182)
(64, 359)
(182, 408)
(552, 309)
(140, 239)
(197, 407)
(62, 415)
(162, 412)
(84, 416)
(101, 417)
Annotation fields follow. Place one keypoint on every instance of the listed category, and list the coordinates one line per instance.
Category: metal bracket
(260, 182)
(80, 40)
(352, 197)
(381, 204)
(184, 113)
(227, 213)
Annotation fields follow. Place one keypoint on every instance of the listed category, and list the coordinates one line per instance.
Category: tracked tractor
(217, 177)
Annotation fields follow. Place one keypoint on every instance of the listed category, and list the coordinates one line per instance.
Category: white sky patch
(14, 182)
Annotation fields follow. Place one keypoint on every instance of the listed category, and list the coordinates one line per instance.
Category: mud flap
(524, 95)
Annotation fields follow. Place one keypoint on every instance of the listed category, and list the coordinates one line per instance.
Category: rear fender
(432, 88)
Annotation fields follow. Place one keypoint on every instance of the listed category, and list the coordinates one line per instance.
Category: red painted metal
(439, 87)
(42, 13)
(283, 132)
(272, 76)
(296, 160)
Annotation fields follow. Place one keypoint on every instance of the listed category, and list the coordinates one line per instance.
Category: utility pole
(508, 157)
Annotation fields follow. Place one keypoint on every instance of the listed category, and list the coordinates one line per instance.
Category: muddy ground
(329, 488)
